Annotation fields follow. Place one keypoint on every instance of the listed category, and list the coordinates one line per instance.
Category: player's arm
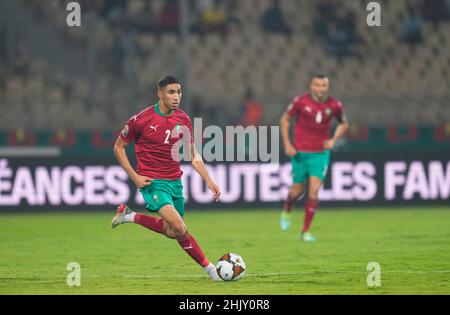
(121, 156)
(339, 133)
(289, 149)
(199, 167)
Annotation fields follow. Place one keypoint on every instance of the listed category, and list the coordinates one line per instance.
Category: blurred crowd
(134, 35)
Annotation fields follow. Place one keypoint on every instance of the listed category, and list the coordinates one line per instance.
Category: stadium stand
(97, 75)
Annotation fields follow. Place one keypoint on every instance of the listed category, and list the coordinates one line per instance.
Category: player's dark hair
(166, 80)
(320, 76)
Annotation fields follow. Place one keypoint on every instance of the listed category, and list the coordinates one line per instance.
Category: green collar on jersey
(159, 112)
(316, 99)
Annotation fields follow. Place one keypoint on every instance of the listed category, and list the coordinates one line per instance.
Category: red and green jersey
(152, 132)
(313, 121)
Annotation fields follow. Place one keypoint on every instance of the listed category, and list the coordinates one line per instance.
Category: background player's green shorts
(306, 165)
(163, 192)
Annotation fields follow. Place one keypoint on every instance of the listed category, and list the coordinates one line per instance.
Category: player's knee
(297, 191)
(301, 195)
(169, 233)
(179, 228)
(313, 194)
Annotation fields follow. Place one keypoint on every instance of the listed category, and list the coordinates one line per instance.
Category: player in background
(310, 153)
(154, 131)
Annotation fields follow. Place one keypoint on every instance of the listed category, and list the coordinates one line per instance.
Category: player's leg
(299, 176)
(317, 167)
(311, 206)
(125, 215)
(155, 197)
(296, 191)
(177, 228)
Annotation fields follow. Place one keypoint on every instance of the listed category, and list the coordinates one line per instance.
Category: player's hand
(215, 190)
(290, 151)
(329, 144)
(142, 181)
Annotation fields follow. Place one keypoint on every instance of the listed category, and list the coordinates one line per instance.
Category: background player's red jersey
(152, 132)
(313, 121)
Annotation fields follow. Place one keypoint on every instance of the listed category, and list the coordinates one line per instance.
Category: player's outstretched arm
(199, 167)
(121, 156)
(289, 149)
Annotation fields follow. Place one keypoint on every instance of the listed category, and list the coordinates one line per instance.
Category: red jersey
(313, 121)
(152, 131)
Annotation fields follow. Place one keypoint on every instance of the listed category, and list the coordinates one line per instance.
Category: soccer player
(154, 131)
(310, 153)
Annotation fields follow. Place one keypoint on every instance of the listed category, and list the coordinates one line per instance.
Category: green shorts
(163, 192)
(306, 165)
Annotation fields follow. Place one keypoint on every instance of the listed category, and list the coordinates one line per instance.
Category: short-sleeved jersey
(313, 121)
(154, 135)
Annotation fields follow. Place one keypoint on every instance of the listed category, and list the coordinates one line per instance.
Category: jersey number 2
(167, 137)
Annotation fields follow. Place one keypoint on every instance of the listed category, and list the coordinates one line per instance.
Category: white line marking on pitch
(286, 273)
(261, 274)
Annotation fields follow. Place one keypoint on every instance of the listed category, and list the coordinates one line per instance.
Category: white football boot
(119, 218)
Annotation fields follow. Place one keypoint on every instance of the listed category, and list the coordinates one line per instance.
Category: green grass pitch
(411, 245)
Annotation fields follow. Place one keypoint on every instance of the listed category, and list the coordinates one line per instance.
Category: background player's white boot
(285, 220)
(307, 237)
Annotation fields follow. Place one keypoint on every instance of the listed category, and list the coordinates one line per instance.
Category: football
(231, 267)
